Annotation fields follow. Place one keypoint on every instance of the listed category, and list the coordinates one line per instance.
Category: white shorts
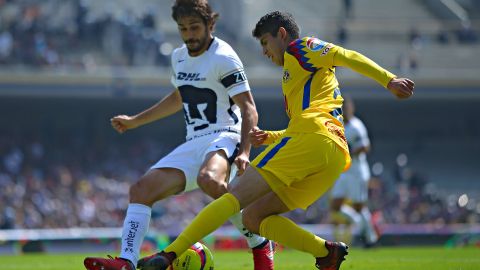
(189, 156)
(352, 185)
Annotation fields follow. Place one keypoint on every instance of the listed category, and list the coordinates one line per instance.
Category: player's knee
(141, 193)
(211, 186)
(251, 221)
(135, 192)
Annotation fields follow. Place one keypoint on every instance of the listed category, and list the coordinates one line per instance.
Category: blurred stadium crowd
(45, 186)
(85, 34)
(71, 33)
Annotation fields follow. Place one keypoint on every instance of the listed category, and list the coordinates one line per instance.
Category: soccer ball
(197, 257)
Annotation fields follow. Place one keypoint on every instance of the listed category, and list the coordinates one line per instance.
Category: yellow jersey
(311, 92)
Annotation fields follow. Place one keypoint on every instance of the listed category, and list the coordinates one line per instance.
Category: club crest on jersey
(315, 44)
(183, 76)
(286, 76)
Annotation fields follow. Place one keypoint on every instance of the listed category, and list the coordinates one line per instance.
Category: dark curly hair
(199, 8)
(271, 22)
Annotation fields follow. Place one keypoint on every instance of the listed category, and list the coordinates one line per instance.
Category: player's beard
(197, 45)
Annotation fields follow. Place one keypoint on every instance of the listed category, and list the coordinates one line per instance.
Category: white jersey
(357, 136)
(353, 184)
(206, 83)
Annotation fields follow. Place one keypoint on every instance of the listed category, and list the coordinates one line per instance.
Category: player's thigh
(267, 205)
(249, 187)
(215, 167)
(156, 185)
(213, 174)
(220, 152)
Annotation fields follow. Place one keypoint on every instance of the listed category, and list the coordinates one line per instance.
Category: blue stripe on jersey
(338, 113)
(306, 93)
(272, 152)
(336, 93)
(295, 48)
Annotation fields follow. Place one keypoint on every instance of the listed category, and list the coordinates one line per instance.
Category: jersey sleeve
(363, 65)
(232, 76)
(273, 135)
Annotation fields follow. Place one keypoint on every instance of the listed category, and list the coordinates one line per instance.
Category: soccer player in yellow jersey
(301, 162)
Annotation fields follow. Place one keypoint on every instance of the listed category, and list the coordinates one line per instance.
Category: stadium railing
(107, 239)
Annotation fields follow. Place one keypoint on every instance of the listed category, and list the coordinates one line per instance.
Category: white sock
(350, 213)
(135, 227)
(253, 240)
(370, 233)
(354, 218)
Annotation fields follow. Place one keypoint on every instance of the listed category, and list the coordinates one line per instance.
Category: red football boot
(263, 256)
(109, 263)
(336, 255)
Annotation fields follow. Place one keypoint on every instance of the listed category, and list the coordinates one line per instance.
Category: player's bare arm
(257, 136)
(249, 120)
(169, 105)
(264, 137)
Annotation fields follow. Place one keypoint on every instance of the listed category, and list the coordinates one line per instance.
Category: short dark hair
(271, 22)
(199, 8)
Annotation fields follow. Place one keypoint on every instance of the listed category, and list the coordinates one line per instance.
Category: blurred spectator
(442, 37)
(6, 46)
(342, 35)
(407, 62)
(466, 33)
(43, 33)
(415, 38)
(348, 9)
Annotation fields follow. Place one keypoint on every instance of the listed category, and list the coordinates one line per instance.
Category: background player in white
(213, 91)
(353, 184)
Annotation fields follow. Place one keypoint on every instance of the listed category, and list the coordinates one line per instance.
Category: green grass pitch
(421, 258)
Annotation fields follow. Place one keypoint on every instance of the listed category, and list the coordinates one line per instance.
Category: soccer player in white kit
(353, 184)
(212, 90)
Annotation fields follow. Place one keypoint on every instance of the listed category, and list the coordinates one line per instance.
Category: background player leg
(368, 231)
(344, 217)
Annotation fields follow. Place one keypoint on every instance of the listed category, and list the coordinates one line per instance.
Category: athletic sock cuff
(235, 203)
(139, 209)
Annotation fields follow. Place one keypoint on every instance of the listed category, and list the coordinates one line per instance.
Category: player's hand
(257, 136)
(122, 123)
(242, 163)
(401, 87)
